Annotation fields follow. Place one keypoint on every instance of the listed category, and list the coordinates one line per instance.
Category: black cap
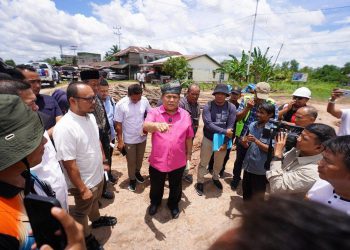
(236, 90)
(89, 74)
(173, 87)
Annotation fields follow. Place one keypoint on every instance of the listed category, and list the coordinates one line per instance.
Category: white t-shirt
(50, 170)
(323, 192)
(140, 77)
(344, 128)
(76, 138)
(132, 116)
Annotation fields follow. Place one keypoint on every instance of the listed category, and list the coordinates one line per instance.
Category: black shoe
(199, 188)
(234, 183)
(152, 210)
(111, 178)
(108, 195)
(139, 178)
(92, 244)
(217, 184)
(175, 213)
(132, 185)
(222, 174)
(104, 221)
(188, 178)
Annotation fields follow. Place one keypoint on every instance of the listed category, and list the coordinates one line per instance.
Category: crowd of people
(63, 144)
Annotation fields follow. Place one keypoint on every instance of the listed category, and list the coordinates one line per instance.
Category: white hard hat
(302, 92)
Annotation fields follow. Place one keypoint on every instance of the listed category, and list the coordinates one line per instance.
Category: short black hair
(72, 90)
(12, 87)
(6, 77)
(15, 74)
(134, 89)
(103, 82)
(25, 67)
(269, 108)
(340, 146)
(322, 131)
(288, 223)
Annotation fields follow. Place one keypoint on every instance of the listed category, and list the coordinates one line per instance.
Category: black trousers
(157, 186)
(240, 154)
(253, 184)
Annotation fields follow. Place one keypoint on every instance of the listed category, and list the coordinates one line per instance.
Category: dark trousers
(157, 186)
(211, 162)
(142, 84)
(253, 184)
(240, 154)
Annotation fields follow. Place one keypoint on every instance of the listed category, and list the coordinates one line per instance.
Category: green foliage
(54, 61)
(261, 68)
(329, 73)
(74, 61)
(10, 62)
(109, 54)
(235, 68)
(176, 67)
(294, 66)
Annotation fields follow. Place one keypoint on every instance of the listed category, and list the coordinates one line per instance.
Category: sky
(314, 33)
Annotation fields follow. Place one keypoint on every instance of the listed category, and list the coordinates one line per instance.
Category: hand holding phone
(46, 228)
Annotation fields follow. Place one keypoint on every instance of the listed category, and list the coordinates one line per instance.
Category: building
(82, 58)
(203, 68)
(133, 56)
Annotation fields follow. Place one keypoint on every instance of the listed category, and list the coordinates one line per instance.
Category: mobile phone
(123, 151)
(43, 224)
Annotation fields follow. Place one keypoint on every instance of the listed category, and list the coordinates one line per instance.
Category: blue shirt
(48, 106)
(255, 158)
(252, 115)
(109, 107)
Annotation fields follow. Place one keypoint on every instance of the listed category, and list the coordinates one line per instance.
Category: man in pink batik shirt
(172, 133)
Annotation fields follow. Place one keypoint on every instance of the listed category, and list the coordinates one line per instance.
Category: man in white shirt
(141, 78)
(129, 116)
(334, 170)
(78, 147)
(296, 171)
(343, 114)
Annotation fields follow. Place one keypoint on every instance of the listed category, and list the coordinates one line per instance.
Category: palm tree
(109, 54)
(261, 67)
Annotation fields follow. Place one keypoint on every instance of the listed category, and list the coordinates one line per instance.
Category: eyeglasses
(88, 99)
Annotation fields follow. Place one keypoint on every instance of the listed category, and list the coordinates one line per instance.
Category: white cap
(302, 92)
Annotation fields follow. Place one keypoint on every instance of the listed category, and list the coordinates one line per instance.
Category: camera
(279, 126)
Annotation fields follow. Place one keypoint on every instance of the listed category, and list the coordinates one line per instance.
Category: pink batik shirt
(169, 148)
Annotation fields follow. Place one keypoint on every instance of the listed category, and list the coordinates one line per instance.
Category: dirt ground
(202, 219)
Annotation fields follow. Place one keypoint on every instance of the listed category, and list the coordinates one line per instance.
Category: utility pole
(118, 33)
(251, 41)
(61, 50)
(277, 55)
(74, 60)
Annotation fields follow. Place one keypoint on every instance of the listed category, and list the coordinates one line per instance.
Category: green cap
(21, 130)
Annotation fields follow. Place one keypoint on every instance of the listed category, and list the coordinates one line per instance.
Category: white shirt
(132, 116)
(344, 128)
(76, 138)
(140, 77)
(323, 192)
(50, 170)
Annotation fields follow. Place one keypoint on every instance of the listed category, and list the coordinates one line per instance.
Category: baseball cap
(262, 90)
(221, 88)
(302, 92)
(236, 90)
(21, 130)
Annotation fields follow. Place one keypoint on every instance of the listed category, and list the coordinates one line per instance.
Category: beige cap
(262, 90)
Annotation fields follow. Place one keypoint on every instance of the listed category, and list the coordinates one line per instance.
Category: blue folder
(218, 140)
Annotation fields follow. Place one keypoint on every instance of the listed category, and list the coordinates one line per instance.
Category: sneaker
(104, 221)
(234, 183)
(199, 188)
(217, 184)
(132, 185)
(188, 178)
(139, 178)
(92, 244)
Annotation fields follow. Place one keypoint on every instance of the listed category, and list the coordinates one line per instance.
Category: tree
(10, 62)
(54, 61)
(261, 68)
(294, 65)
(109, 54)
(329, 73)
(346, 69)
(176, 67)
(235, 68)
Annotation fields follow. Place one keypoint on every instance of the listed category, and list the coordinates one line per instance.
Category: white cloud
(34, 29)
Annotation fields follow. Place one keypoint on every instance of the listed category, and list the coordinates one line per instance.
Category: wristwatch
(330, 100)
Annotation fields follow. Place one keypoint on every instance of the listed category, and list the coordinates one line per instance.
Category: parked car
(69, 73)
(46, 73)
(111, 75)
